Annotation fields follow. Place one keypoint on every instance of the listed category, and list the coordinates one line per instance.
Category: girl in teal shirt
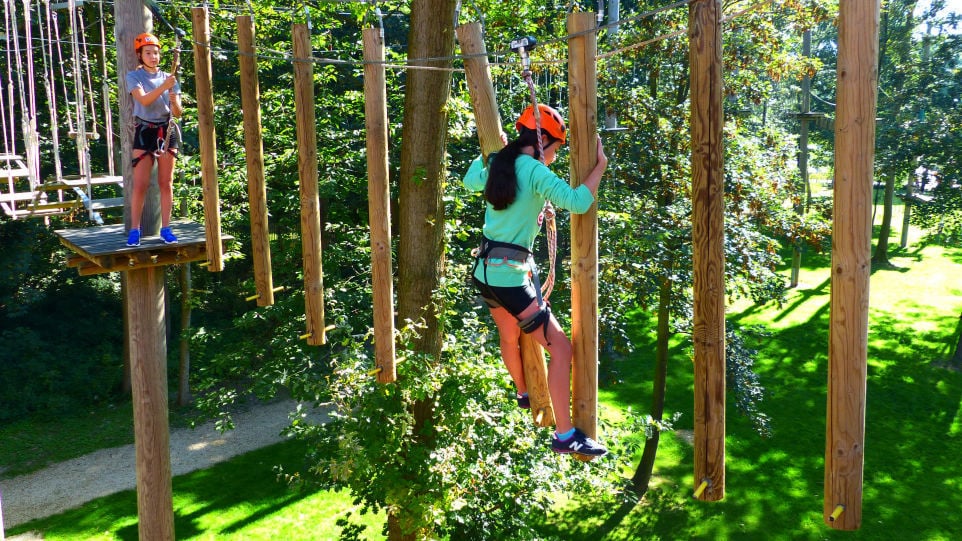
(516, 183)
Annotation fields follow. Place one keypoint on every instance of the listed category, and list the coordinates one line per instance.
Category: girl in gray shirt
(156, 97)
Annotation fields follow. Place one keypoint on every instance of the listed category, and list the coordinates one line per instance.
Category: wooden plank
(69, 182)
(17, 196)
(111, 203)
(379, 203)
(708, 241)
(61, 206)
(14, 173)
(103, 248)
(851, 262)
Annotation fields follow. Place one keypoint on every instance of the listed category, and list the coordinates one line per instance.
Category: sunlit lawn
(238, 499)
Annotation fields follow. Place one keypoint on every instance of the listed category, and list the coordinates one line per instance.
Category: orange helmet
(551, 121)
(145, 38)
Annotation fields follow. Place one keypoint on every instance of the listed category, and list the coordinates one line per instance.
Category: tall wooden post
(205, 134)
(477, 73)
(487, 119)
(708, 238)
(379, 203)
(583, 120)
(851, 261)
(254, 145)
(148, 357)
(307, 171)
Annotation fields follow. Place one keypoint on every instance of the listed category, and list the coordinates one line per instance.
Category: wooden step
(80, 182)
(111, 203)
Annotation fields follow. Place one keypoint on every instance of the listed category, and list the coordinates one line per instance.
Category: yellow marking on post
(278, 289)
(305, 336)
(204, 264)
(539, 417)
(330, 328)
(701, 488)
(252, 297)
(374, 372)
(839, 509)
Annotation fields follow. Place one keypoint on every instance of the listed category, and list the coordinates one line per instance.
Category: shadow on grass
(221, 500)
(774, 487)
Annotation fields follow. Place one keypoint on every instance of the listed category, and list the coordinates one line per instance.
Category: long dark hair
(502, 186)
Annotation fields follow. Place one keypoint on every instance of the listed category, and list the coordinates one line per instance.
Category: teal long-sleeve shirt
(518, 224)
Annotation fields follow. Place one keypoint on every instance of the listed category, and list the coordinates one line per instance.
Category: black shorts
(514, 299)
(149, 136)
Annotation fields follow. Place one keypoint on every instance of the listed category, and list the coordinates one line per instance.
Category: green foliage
(741, 378)
(478, 471)
(62, 336)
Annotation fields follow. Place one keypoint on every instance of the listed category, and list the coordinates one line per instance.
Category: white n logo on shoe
(575, 446)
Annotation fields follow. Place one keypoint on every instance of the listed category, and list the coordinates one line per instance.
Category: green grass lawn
(238, 499)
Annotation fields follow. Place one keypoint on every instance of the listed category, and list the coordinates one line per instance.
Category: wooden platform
(104, 248)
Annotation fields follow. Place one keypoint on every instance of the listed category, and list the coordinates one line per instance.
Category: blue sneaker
(577, 443)
(133, 238)
(167, 235)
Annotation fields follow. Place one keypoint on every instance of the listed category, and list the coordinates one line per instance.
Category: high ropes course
(24, 194)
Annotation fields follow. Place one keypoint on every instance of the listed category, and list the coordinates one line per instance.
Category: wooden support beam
(205, 133)
(379, 203)
(851, 262)
(148, 357)
(708, 240)
(307, 172)
(254, 146)
(583, 134)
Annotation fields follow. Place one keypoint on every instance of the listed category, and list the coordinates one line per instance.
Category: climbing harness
(496, 252)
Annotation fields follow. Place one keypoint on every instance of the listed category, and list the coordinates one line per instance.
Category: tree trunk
(642, 477)
(881, 256)
(421, 212)
(183, 380)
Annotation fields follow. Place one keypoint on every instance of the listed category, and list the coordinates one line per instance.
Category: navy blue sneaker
(167, 235)
(523, 401)
(577, 443)
(133, 238)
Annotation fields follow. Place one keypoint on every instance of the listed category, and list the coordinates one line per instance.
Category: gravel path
(72, 483)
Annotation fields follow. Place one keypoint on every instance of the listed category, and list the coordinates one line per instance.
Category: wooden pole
(487, 119)
(379, 203)
(488, 122)
(148, 356)
(851, 261)
(583, 120)
(254, 145)
(205, 134)
(708, 238)
(307, 171)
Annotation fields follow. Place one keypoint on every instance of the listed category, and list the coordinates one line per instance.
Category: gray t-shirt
(159, 111)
